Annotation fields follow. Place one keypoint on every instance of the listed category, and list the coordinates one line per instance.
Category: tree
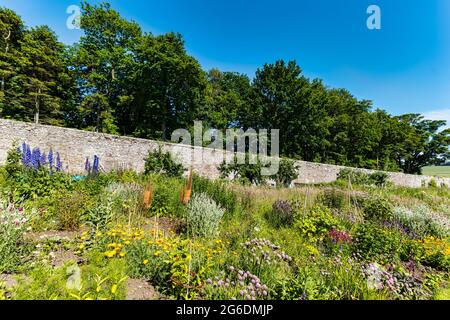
(41, 67)
(102, 61)
(169, 87)
(281, 98)
(227, 96)
(11, 32)
(423, 143)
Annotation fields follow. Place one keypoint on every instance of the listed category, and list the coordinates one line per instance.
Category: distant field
(443, 171)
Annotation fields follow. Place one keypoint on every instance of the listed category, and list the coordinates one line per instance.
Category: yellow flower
(114, 289)
(122, 254)
(110, 254)
(145, 262)
(157, 253)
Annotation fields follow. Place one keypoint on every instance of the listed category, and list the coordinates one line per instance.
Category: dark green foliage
(358, 177)
(334, 198)
(372, 242)
(245, 173)
(438, 261)
(13, 163)
(286, 173)
(378, 209)
(380, 179)
(162, 162)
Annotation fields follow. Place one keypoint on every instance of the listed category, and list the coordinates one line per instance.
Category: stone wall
(129, 153)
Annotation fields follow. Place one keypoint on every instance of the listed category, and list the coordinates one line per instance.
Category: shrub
(377, 209)
(69, 211)
(100, 215)
(317, 223)
(282, 213)
(245, 173)
(359, 177)
(203, 216)
(13, 163)
(372, 242)
(432, 183)
(142, 262)
(422, 222)
(161, 162)
(126, 199)
(379, 178)
(438, 261)
(286, 173)
(353, 176)
(166, 196)
(333, 198)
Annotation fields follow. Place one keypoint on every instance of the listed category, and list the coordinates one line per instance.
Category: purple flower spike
(58, 162)
(50, 159)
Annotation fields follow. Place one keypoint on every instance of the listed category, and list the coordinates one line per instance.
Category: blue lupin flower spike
(50, 159)
(28, 156)
(58, 162)
(87, 165)
(96, 164)
(43, 159)
(35, 158)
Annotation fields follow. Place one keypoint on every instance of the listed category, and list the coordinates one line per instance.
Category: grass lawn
(442, 171)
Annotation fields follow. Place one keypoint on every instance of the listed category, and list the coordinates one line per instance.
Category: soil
(45, 235)
(61, 257)
(141, 290)
(168, 225)
(9, 280)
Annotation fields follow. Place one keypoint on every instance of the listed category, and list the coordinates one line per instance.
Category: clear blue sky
(404, 67)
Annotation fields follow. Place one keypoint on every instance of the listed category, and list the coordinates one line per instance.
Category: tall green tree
(169, 87)
(227, 96)
(41, 75)
(102, 61)
(282, 98)
(11, 33)
(424, 143)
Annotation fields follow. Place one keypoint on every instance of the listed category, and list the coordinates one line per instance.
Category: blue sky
(404, 67)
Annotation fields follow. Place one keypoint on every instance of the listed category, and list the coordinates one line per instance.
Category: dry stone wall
(129, 153)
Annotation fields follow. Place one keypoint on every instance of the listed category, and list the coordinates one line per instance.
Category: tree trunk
(36, 114)
(97, 125)
(6, 52)
(164, 129)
